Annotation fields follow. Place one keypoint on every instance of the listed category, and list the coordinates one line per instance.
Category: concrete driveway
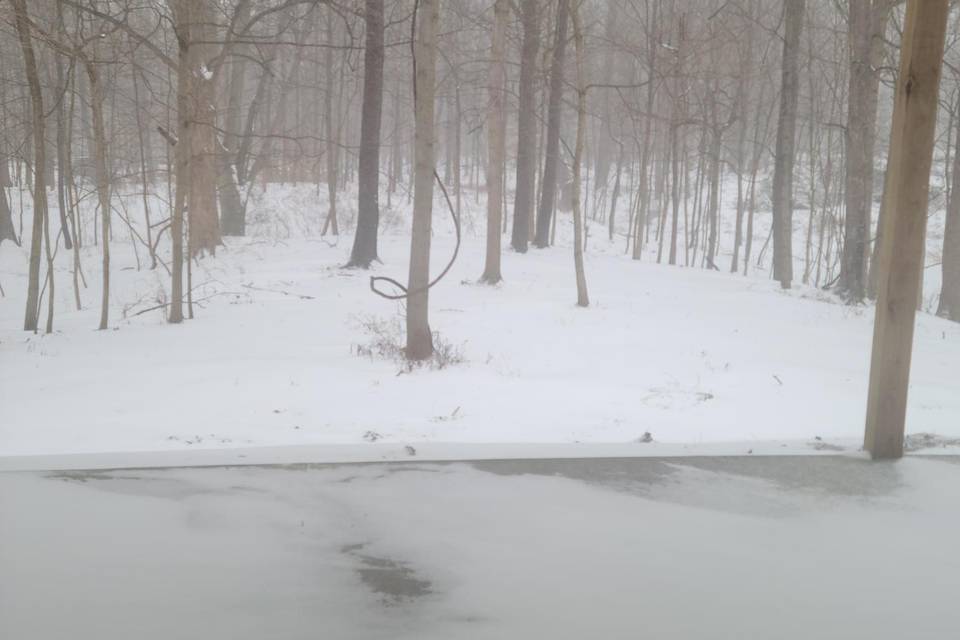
(708, 547)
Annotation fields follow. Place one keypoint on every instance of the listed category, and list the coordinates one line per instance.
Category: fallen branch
(302, 296)
(163, 305)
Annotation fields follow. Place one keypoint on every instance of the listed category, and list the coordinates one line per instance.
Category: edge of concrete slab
(412, 452)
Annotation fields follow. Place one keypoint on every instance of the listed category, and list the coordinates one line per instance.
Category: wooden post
(904, 225)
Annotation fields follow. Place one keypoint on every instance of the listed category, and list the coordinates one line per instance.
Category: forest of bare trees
(674, 126)
(479, 318)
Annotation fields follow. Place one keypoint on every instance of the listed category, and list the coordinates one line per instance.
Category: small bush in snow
(387, 341)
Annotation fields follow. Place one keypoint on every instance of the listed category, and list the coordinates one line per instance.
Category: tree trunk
(786, 134)
(605, 140)
(368, 209)
(743, 98)
(61, 143)
(583, 300)
(496, 143)
(527, 126)
(103, 181)
(7, 231)
(868, 19)
(949, 306)
(232, 209)
(902, 250)
(548, 185)
(202, 216)
(612, 222)
(332, 134)
(714, 195)
(22, 20)
(182, 10)
(419, 336)
(674, 190)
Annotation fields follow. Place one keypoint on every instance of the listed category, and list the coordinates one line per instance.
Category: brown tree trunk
(583, 299)
(902, 250)
(232, 209)
(868, 19)
(202, 217)
(527, 127)
(61, 145)
(548, 185)
(714, 194)
(368, 191)
(949, 306)
(419, 336)
(674, 190)
(103, 181)
(22, 20)
(182, 10)
(612, 218)
(332, 133)
(604, 140)
(496, 144)
(784, 157)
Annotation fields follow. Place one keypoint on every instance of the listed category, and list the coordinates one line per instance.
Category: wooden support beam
(904, 224)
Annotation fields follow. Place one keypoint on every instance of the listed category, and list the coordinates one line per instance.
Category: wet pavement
(707, 547)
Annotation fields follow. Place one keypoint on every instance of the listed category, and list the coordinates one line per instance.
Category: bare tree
(232, 208)
(949, 306)
(902, 239)
(786, 140)
(548, 184)
(526, 126)
(419, 336)
(202, 214)
(867, 23)
(332, 132)
(368, 209)
(103, 179)
(182, 12)
(7, 232)
(583, 299)
(496, 143)
(40, 212)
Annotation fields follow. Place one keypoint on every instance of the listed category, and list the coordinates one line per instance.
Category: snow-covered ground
(798, 548)
(279, 352)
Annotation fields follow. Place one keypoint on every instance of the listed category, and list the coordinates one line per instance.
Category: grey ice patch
(395, 581)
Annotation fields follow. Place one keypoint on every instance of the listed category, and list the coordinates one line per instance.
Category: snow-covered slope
(279, 352)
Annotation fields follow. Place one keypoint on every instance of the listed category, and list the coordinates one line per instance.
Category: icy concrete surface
(726, 547)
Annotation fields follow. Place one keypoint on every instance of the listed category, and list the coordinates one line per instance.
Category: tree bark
(419, 336)
(784, 158)
(202, 216)
(583, 299)
(103, 182)
(605, 141)
(548, 185)
(332, 133)
(232, 209)
(22, 21)
(949, 306)
(368, 209)
(182, 18)
(868, 19)
(496, 143)
(526, 126)
(902, 248)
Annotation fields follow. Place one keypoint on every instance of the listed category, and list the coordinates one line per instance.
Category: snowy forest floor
(285, 349)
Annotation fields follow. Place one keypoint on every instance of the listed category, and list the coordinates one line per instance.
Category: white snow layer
(278, 353)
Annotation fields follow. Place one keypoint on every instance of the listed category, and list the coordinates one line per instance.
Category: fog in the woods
(277, 231)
